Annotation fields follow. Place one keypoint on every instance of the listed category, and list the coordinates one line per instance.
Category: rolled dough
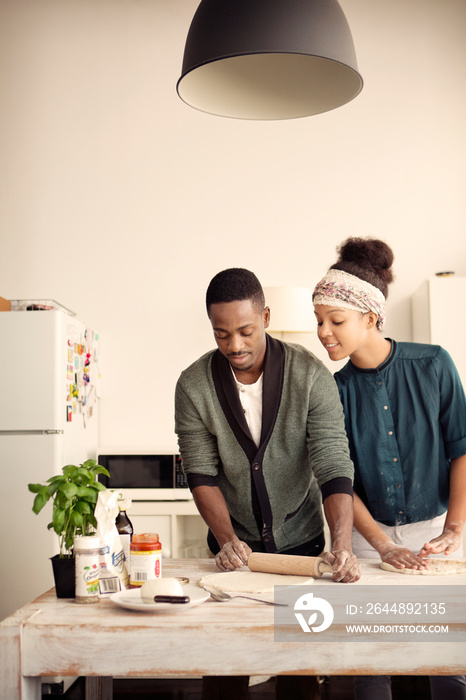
(437, 567)
(251, 581)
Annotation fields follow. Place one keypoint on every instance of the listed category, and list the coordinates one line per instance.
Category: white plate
(131, 600)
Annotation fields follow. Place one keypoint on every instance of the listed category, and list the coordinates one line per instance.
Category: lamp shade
(291, 309)
(269, 59)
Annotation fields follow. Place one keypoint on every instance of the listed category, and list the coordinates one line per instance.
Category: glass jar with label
(145, 559)
(87, 565)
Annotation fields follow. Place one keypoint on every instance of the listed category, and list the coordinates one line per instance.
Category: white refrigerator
(49, 390)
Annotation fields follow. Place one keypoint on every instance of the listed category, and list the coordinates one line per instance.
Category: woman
(405, 415)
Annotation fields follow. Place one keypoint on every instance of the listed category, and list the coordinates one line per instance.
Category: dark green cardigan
(303, 447)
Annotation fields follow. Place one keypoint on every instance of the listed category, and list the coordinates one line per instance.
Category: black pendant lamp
(269, 59)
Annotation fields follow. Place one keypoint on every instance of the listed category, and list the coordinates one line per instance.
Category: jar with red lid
(145, 559)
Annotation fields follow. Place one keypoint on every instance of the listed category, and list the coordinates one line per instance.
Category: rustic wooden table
(52, 637)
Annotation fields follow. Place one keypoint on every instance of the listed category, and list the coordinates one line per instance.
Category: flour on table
(437, 567)
(251, 581)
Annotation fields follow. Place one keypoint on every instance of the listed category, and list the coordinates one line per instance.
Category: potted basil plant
(74, 495)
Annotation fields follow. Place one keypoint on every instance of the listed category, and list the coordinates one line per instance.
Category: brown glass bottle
(125, 529)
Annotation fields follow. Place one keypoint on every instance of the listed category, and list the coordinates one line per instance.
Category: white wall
(121, 202)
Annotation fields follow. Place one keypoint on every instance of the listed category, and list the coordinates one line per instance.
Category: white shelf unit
(436, 317)
(181, 529)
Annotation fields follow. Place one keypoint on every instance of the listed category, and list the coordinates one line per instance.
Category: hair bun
(370, 259)
(369, 255)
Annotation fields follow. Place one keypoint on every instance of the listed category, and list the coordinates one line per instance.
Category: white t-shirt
(251, 400)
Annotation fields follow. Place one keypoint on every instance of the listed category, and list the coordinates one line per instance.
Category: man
(262, 439)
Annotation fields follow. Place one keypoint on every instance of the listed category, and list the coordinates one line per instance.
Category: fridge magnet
(69, 414)
(75, 408)
(70, 372)
(70, 354)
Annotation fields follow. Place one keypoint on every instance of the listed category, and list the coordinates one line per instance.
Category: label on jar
(145, 566)
(87, 577)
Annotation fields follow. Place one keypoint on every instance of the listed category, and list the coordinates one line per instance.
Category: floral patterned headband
(339, 288)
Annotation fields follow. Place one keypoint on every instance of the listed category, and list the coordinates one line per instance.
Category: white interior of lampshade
(269, 86)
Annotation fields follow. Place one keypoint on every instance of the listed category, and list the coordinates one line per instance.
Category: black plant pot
(63, 573)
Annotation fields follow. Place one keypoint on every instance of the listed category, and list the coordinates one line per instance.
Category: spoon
(223, 597)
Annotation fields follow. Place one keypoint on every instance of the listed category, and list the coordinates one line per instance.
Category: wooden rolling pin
(288, 564)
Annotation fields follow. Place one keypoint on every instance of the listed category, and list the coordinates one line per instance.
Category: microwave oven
(144, 476)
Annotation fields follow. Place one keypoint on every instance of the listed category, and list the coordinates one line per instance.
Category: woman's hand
(447, 543)
(401, 557)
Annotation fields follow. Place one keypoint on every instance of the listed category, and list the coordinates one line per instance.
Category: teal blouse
(405, 421)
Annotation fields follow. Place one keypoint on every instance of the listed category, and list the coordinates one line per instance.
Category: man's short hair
(235, 284)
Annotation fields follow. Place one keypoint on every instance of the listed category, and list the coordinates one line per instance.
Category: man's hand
(233, 555)
(338, 509)
(211, 505)
(344, 564)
